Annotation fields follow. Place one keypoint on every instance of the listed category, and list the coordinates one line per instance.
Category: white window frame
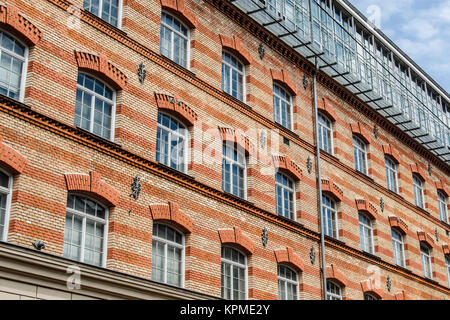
(96, 95)
(286, 280)
(171, 132)
(443, 209)
(326, 127)
(244, 91)
(85, 216)
(418, 186)
(167, 243)
(119, 13)
(425, 258)
(447, 266)
(357, 150)
(238, 149)
(370, 232)
(187, 37)
(8, 192)
(401, 244)
(234, 263)
(391, 166)
(284, 187)
(288, 102)
(333, 295)
(369, 296)
(24, 65)
(325, 216)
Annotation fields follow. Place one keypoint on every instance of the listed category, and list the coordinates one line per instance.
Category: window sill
(98, 138)
(100, 20)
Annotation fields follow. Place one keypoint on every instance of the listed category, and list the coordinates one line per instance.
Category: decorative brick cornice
(399, 224)
(93, 185)
(178, 8)
(368, 286)
(392, 152)
(327, 109)
(171, 212)
(229, 134)
(334, 273)
(235, 46)
(441, 186)
(289, 257)
(285, 163)
(173, 104)
(235, 236)
(446, 249)
(363, 205)
(11, 160)
(417, 169)
(422, 236)
(101, 65)
(359, 130)
(10, 16)
(283, 78)
(330, 187)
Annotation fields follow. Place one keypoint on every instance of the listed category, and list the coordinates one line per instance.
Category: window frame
(334, 295)
(233, 263)
(328, 129)
(418, 190)
(370, 229)
(95, 95)
(8, 192)
(401, 244)
(84, 216)
(447, 266)
(170, 132)
(243, 73)
(174, 244)
(281, 100)
(240, 151)
(357, 149)
(119, 13)
(335, 215)
(393, 167)
(187, 37)
(427, 257)
(284, 187)
(24, 65)
(286, 280)
(442, 204)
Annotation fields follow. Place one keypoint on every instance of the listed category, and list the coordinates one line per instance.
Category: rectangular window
(108, 10)
(233, 172)
(425, 254)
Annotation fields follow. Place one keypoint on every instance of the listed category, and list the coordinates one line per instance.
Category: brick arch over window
(368, 286)
(401, 296)
(178, 8)
(283, 78)
(229, 134)
(326, 108)
(416, 168)
(441, 186)
(177, 107)
(398, 224)
(93, 185)
(13, 20)
(361, 132)
(365, 206)
(235, 46)
(285, 163)
(100, 65)
(446, 249)
(333, 273)
(11, 160)
(390, 151)
(289, 257)
(171, 212)
(422, 236)
(328, 186)
(235, 236)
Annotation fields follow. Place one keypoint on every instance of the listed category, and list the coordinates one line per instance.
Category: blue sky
(421, 28)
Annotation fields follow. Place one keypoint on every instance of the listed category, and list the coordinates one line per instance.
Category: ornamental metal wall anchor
(264, 237)
(375, 131)
(436, 232)
(429, 169)
(388, 283)
(312, 255)
(309, 164)
(261, 51)
(382, 204)
(136, 188)
(305, 81)
(38, 245)
(142, 73)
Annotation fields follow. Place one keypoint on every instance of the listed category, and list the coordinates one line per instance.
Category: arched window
(391, 174)
(234, 274)
(325, 134)
(233, 75)
(360, 154)
(418, 191)
(171, 142)
(398, 248)
(13, 58)
(425, 255)
(85, 231)
(329, 216)
(334, 292)
(108, 10)
(368, 296)
(287, 283)
(174, 40)
(167, 255)
(5, 203)
(95, 106)
(443, 212)
(447, 267)
(285, 195)
(282, 106)
(366, 233)
(234, 171)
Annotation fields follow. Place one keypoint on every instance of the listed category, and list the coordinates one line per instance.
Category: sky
(421, 28)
